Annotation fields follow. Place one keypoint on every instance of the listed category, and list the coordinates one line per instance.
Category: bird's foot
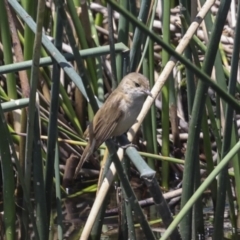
(129, 145)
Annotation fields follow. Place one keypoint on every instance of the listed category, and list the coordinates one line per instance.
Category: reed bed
(60, 60)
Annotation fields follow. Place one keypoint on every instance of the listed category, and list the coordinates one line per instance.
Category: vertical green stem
(165, 97)
(7, 180)
(7, 44)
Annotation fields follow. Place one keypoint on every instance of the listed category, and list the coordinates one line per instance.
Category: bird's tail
(88, 151)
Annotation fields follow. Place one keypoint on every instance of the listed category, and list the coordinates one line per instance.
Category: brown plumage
(117, 114)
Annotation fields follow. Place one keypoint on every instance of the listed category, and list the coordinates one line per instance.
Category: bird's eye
(137, 84)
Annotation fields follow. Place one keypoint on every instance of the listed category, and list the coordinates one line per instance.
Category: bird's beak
(148, 93)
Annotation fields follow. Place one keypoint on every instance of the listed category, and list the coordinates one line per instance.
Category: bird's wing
(105, 122)
(101, 128)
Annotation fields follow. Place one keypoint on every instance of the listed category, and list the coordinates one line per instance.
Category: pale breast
(131, 111)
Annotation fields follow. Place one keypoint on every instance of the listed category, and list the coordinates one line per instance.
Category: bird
(117, 114)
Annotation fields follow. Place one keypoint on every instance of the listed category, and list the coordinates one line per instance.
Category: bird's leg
(116, 143)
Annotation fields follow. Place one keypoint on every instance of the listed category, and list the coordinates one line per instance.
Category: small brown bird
(117, 114)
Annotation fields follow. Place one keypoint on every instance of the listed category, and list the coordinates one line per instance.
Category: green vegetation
(60, 60)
